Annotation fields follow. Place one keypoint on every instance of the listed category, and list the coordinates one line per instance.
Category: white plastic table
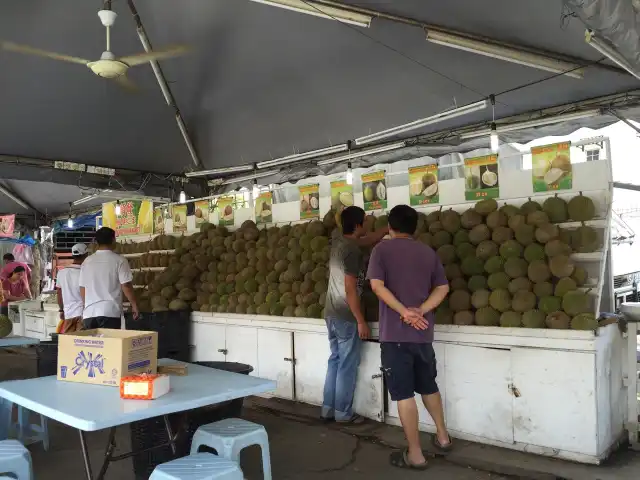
(17, 341)
(95, 407)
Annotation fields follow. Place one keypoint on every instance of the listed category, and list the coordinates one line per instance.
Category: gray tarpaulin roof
(263, 82)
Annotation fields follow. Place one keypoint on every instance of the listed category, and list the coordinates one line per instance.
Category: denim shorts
(409, 368)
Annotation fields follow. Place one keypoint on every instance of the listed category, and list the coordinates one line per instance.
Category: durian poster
(481, 180)
(158, 221)
(309, 201)
(551, 167)
(201, 211)
(374, 191)
(423, 185)
(341, 195)
(179, 216)
(263, 208)
(225, 211)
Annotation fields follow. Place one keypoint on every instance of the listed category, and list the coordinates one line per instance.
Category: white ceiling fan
(109, 66)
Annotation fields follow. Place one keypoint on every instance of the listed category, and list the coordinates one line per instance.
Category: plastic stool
(27, 433)
(228, 437)
(201, 466)
(15, 460)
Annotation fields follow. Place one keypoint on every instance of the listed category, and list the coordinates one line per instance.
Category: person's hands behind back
(414, 317)
(364, 332)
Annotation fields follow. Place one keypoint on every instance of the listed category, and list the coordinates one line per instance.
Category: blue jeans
(342, 369)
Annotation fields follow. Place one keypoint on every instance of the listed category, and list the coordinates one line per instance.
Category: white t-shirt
(68, 281)
(102, 276)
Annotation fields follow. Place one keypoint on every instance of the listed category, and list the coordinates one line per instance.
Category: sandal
(354, 420)
(400, 460)
(442, 448)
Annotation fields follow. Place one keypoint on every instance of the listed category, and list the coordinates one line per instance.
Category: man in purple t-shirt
(409, 280)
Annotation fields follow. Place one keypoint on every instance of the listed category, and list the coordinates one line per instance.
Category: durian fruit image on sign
(551, 167)
(481, 177)
(341, 195)
(423, 185)
(374, 191)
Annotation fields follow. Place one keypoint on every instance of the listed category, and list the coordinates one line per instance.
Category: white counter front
(551, 392)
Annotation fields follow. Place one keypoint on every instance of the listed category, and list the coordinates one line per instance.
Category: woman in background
(14, 289)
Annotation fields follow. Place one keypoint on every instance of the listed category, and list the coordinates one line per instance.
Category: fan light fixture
(610, 52)
(439, 117)
(505, 53)
(565, 117)
(361, 153)
(319, 10)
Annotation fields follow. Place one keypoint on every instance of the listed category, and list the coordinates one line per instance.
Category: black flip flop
(442, 448)
(354, 420)
(400, 460)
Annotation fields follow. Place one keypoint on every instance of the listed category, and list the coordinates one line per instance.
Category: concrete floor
(304, 448)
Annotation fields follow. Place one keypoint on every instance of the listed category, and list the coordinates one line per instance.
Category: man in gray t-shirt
(346, 324)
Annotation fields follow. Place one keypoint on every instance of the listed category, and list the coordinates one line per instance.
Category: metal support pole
(164, 86)
(85, 455)
(623, 119)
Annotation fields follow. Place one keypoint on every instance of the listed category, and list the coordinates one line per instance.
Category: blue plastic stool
(27, 433)
(228, 437)
(202, 466)
(15, 460)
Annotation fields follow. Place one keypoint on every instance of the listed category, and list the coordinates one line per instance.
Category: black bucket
(47, 357)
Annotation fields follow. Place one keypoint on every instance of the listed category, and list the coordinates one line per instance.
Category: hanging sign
(309, 201)
(263, 208)
(201, 211)
(159, 217)
(481, 177)
(135, 218)
(374, 191)
(225, 211)
(341, 195)
(179, 216)
(423, 185)
(551, 167)
(7, 224)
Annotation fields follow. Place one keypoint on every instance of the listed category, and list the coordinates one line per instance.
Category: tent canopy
(263, 82)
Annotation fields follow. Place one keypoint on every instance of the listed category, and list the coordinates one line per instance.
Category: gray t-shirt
(346, 259)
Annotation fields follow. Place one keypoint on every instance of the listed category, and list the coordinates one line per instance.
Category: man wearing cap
(68, 289)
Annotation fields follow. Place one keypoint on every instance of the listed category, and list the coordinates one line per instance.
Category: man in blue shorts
(409, 280)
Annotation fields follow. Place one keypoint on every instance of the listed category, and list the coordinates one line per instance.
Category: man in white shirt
(68, 288)
(104, 276)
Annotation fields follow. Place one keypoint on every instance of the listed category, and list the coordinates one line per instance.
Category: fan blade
(12, 47)
(126, 83)
(140, 58)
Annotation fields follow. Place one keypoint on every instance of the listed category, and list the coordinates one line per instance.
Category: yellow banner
(341, 195)
(551, 167)
(423, 185)
(179, 215)
(374, 191)
(135, 218)
(481, 177)
(201, 211)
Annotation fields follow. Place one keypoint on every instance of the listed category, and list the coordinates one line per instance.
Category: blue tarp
(81, 221)
(26, 240)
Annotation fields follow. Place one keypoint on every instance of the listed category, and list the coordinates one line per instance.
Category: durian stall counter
(522, 361)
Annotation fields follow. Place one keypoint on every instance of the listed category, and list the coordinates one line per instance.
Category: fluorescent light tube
(253, 176)
(220, 171)
(507, 54)
(610, 52)
(439, 117)
(533, 123)
(494, 140)
(361, 153)
(297, 157)
(323, 11)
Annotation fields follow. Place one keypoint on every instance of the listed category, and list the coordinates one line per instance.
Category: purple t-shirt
(410, 270)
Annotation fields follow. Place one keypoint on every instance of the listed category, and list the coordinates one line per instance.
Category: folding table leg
(108, 453)
(172, 439)
(85, 454)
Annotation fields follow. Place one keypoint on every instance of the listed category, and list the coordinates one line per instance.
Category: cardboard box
(103, 356)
